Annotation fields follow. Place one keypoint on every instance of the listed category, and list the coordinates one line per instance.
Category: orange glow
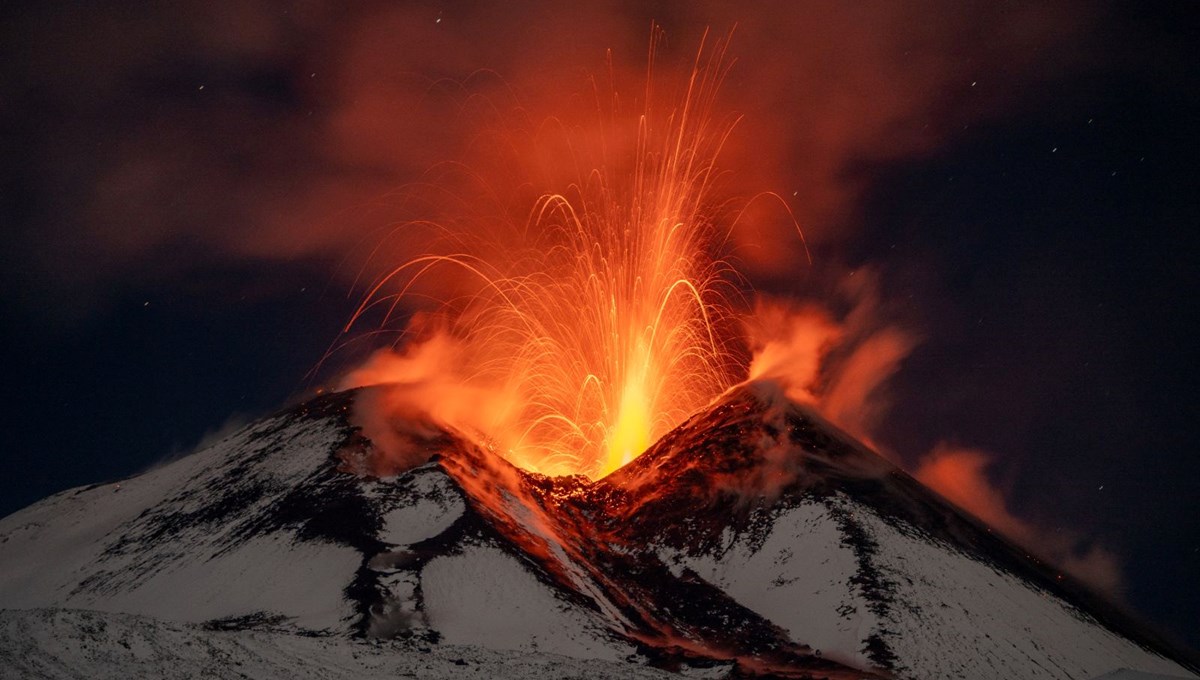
(959, 474)
(597, 324)
(575, 329)
(840, 367)
(631, 433)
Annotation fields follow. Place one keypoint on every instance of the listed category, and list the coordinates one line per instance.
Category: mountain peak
(754, 539)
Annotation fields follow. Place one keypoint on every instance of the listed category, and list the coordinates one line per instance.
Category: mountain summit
(754, 539)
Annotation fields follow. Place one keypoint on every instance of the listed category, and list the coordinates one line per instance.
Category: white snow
(194, 541)
(303, 581)
(51, 644)
(952, 616)
(956, 617)
(485, 597)
(436, 507)
(799, 579)
(97, 548)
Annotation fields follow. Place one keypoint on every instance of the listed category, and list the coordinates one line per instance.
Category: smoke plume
(281, 133)
(841, 366)
(961, 476)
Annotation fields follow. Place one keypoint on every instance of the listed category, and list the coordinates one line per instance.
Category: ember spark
(603, 320)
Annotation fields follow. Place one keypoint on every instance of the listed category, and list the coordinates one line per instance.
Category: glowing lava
(600, 322)
(630, 434)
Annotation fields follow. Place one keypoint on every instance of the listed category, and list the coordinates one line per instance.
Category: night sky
(185, 193)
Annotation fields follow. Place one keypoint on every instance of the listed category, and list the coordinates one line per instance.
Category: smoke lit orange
(599, 323)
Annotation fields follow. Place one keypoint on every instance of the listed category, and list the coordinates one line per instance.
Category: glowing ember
(598, 324)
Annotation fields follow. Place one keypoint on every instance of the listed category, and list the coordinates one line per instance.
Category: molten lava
(601, 321)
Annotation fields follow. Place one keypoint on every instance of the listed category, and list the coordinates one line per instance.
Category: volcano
(756, 539)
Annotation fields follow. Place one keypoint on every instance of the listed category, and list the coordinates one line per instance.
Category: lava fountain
(599, 322)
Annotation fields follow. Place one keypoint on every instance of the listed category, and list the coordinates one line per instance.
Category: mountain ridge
(754, 539)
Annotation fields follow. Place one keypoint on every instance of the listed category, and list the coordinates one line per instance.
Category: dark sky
(185, 193)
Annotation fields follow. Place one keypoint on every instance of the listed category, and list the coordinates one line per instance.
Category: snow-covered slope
(67, 644)
(802, 525)
(230, 531)
(753, 539)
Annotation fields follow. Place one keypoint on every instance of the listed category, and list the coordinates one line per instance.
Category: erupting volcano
(600, 322)
(755, 539)
(588, 456)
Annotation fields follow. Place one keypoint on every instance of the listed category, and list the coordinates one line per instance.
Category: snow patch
(433, 507)
(798, 578)
(191, 540)
(298, 580)
(954, 616)
(80, 645)
(484, 596)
